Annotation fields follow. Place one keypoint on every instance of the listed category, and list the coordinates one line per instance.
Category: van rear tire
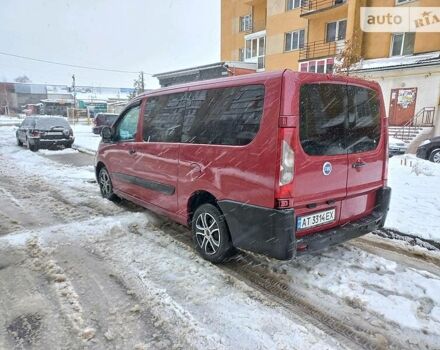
(211, 234)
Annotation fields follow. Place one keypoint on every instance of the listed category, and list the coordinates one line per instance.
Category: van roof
(244, 77)
(260, 76)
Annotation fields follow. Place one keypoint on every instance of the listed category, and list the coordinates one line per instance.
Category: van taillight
(287, 163)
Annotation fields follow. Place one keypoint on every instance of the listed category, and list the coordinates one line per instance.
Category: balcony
(320, 49)
(252, 26)
(309, 7)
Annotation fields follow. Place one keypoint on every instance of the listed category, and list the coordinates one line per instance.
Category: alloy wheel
(207, 233)
(105, 183)
(436, 158)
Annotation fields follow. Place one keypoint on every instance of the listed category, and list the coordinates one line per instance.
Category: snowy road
(77, 272)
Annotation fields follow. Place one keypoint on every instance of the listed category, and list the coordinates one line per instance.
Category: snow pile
(402, 295)
(415, 198)
(8, 121)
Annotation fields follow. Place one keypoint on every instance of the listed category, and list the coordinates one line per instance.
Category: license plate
(307, 221)
(53, 133)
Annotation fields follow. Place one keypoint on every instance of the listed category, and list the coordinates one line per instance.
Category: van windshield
(338, 119)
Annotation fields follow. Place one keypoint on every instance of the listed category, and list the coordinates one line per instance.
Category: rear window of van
(338, 119)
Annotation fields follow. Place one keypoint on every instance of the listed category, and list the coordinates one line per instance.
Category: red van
(278, 163)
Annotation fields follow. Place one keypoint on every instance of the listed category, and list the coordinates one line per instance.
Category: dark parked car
(45, 132)
(430, 150)
(103, 119)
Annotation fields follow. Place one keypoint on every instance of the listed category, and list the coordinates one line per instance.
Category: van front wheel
(211, 234)
(105, 184)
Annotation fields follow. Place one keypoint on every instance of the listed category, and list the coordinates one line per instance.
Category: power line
(71, 65)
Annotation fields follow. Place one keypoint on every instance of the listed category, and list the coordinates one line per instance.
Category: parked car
(271, 163)
(103, 119)
(396, 147)
(430, 150)
(45, 132)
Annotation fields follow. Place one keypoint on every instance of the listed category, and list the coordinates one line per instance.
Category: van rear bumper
(272, 232)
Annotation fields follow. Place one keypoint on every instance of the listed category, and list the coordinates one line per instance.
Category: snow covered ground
(7, 120)
(85, 139)
(78, 271)
(415, 200)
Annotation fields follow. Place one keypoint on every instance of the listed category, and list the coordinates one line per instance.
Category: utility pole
(74, 97)
(142, 81)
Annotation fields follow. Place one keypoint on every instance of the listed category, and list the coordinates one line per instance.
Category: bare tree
(22, 79)
(138, 85)
(350, 55)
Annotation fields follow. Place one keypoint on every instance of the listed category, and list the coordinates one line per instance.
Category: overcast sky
(153, 36)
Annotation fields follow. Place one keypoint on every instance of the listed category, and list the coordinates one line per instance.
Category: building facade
(310, 35)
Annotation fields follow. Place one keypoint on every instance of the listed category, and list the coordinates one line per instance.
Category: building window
(402, 44)
(294, 40)
(318, 66)
(246, 23)
(400, 2)
(294, 4)
(256, 50)
(336, 30)
(241, 54)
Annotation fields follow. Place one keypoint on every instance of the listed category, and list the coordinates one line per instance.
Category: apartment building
(309, 36)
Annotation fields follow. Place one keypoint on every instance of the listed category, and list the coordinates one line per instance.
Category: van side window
(338, 119)
(223, 116)
(127, 127)
(163, 118)
(363, 132)
(323, 110)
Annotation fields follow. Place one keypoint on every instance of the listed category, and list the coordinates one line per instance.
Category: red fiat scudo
(278, 163)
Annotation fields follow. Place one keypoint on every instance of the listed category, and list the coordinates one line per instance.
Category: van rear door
(321, 161)
(366, 152)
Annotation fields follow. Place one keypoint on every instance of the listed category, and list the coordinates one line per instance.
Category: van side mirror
(107, 133)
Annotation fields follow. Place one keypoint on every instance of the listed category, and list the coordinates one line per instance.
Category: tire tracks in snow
(414, 257)
(30, 202)
(353, 332)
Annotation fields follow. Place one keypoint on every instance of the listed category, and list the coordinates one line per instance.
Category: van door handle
(132, 151)
(358, 164)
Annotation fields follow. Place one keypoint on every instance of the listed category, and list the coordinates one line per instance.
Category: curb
(84, 150)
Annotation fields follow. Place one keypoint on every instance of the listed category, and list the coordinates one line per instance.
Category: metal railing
(311, 6)
(423, 118)
(317, 49)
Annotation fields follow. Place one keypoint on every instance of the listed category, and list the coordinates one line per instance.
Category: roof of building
(192, 70)
(60, 101)
(398, 62)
